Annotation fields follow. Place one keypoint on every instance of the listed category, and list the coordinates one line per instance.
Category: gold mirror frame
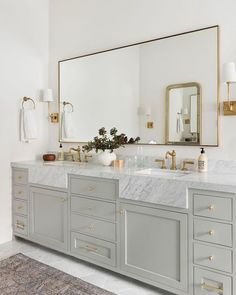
(147, 41)
(167, 112)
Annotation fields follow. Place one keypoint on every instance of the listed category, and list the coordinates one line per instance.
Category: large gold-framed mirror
(125, 88)
(183, 114)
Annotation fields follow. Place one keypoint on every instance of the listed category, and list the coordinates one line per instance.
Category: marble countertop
(168, 189)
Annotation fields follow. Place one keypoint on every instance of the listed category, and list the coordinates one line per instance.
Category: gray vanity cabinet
(48, 217)
(154, 245)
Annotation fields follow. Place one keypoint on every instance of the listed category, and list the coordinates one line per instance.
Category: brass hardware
(211, 207)
(19, 225)
(92, 226)
(186, 162)
(173, 157)
(86, 156)
(211, 232)
(229, 108)
(25, 99)
(122, 211)
(78, 150)
(54, 117)
(210, 258)
(163, 163)
(118, 163)
(63, 199)
(19, 177)
(19, 192)
(212, 288)
(91, 188)
(150, 125)
(91, 248)
(19, 207)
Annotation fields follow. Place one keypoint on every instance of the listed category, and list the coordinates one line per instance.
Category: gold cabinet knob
(19, 177)
(19, 192)
(211, 207)
(91, 226)
(19, 207)
(63, 199)
(122, 211)
(211, 232)
(91, 188)
(210, 258)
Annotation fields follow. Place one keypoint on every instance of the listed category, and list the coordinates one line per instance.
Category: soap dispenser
(202, 161)
(60, 154)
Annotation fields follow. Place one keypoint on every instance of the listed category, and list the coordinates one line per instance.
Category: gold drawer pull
(122, 212)
(211, 232)
(212, 288)
(211, 207)
(91, 248)
(210, 258)
(19, 207)
(19, 192)
(63, 199)
(91, 188)
(20, 226)
(91, 226)
(19, 177)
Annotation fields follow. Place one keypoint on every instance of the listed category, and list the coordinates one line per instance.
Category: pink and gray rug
(21, 275)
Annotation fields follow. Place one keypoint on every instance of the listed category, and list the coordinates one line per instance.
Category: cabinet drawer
(93, 207)
(207, 282)
(20, 207)
(213, 232)
(94, 249)
(20, 176)
(93, 188)
(20, 192)
(213, 207)
(213, 257)
(91, 226)
(20, 225)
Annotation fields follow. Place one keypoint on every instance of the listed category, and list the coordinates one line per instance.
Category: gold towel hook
(68, 103)
(25, 99)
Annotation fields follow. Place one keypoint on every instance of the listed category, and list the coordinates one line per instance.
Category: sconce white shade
(148, 111)
(47, 95)
(186, 111)
(229, 73)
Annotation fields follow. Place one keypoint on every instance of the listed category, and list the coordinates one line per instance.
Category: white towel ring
(25, 99)
(65, 103)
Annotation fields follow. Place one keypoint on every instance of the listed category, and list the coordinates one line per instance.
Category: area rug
(21, 275)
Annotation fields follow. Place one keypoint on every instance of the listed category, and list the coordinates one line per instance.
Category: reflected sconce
(150, 123)
(48, 97)
(229, 77)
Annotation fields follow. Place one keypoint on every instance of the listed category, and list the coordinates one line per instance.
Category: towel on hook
(67, 125)
(28, 125)
(179, 124)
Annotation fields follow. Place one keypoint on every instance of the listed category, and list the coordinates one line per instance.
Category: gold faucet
(78, 150)
(185, 163)
(173, 157)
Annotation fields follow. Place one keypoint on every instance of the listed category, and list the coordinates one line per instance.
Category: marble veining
(158, 189)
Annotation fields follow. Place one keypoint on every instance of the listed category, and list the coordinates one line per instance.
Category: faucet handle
(185, 163)
(163, 163)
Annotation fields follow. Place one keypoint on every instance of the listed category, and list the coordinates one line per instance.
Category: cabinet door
(154, 245)
(48, 217)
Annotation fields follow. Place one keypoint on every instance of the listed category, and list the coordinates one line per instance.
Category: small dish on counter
(49, 157)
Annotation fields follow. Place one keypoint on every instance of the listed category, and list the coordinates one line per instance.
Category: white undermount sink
(162, 172)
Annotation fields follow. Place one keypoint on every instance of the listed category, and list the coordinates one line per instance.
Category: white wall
(23, 72)
(79, 26)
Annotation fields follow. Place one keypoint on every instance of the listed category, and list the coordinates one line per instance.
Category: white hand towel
(67, 125)
(28, 125)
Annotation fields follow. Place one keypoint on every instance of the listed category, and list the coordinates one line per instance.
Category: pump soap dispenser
(202, 161)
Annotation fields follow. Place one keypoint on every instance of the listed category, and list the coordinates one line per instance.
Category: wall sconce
(229, 77)
(150, 124)
(48, 97)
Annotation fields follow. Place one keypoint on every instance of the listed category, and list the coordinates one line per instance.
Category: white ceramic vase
(106, 157)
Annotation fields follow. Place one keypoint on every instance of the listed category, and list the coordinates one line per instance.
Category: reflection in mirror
(126, 88)
(183, 114)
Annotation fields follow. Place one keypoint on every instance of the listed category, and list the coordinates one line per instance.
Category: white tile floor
(108, 280)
